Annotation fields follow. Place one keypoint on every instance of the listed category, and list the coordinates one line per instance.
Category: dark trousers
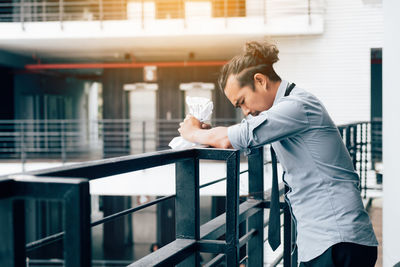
(345, 255)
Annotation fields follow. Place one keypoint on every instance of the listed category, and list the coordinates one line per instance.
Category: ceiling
(143, 49)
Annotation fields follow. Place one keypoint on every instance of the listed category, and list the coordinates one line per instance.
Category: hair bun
(262, 52)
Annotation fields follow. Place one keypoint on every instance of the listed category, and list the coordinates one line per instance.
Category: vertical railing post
(63, 145)
(226, 13)
(348, 144)
(342, 132)
(143, 136)
(60, 12)
(255, 246)
(22, 146)
(12, 232)
(364, 152)
(34, 9)
(287, 237)
(101, 13)
(355, 145)
(77, 241)
(44, 11)
(22, 19)
(187, 205)
(360, 133)
(232, 209)
(100, 124)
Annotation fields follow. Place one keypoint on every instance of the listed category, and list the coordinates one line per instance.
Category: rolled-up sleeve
(238, 135)
(281, 121)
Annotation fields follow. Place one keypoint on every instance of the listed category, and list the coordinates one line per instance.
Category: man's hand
(194, 131)
(189, 126)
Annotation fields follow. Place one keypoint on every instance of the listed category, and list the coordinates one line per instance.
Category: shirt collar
(281, 91)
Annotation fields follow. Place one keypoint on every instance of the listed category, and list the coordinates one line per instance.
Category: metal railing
(376, 141)
(71, 140)
(139, 10)
(191, 238)
(358, 140)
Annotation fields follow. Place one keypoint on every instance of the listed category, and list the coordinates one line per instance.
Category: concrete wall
(391, 136)
(335, 65)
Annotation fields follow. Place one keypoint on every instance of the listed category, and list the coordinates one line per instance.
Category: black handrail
(58, 236)
(191, 237)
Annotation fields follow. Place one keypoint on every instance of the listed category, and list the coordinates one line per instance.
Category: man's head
(248, 78)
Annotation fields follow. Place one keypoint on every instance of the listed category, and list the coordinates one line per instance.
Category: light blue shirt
(323, 186)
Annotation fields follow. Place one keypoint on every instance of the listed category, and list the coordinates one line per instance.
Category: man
(332, 226)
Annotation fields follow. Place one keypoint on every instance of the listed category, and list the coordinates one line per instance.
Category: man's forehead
(232, 89)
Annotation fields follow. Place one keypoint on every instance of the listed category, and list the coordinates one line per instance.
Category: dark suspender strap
(289, 89)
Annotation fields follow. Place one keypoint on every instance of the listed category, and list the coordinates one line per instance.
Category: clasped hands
(189, 126)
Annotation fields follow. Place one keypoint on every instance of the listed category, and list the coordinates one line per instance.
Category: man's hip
(345, 255)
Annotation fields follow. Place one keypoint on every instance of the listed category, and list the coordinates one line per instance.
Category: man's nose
(245, 111)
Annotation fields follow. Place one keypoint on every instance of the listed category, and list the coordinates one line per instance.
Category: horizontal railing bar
(44, 241)
(214, 153)
(211, 246)
(218, 180)
(213, 182)
(224, 178)
(61, 262)
(373, 188)
(266, 222)
(266, 204)
(215, 261)
(216, 227)
(28, 186)
(168, 255)
(131, 210)
(244, 239)
(243, 260)
(107, 167)
(267, 194)
(277, 260)
(50, 239)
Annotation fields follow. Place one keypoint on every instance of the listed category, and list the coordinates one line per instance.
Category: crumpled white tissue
(201, 108)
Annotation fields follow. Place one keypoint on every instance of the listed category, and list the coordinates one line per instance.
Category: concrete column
(391, 134)
(117, 234)
(115, 135)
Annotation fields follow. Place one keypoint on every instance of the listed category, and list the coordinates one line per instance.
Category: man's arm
(191, 130)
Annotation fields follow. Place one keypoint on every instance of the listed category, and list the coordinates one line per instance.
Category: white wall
(335, 65)
(391, 134)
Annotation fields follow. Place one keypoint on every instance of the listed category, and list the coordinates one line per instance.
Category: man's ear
(260, 79)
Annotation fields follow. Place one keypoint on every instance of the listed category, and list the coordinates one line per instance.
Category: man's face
(250, 101)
